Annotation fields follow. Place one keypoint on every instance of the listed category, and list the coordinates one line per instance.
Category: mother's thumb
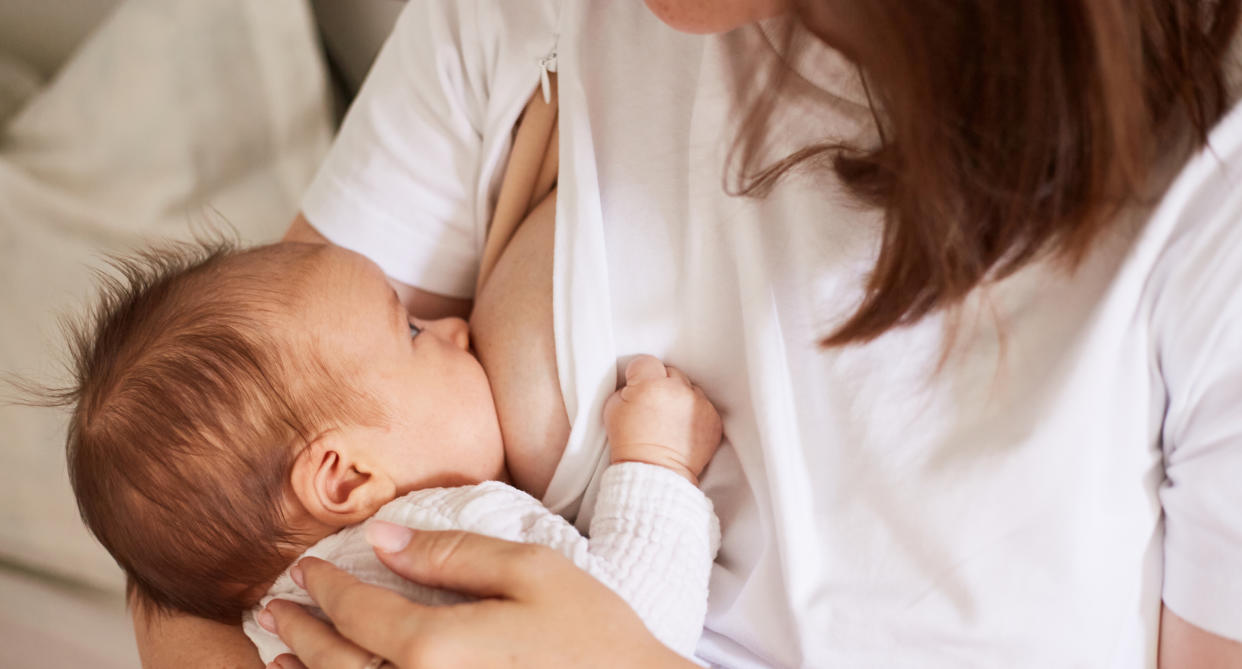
(468, 563)
(388, 537)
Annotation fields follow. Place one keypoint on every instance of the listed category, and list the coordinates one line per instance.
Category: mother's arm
(179, 640)
(1185, 645)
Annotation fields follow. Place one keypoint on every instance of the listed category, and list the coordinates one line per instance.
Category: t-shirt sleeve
(1198, 338)
(399, 183)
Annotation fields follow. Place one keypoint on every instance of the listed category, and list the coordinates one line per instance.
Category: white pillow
(172, 112)
(18, 81)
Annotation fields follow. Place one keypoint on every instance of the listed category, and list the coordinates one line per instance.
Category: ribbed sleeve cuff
(640, 490)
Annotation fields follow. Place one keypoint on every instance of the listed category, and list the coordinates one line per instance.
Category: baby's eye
(414, 330)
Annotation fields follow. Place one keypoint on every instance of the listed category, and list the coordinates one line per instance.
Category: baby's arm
(654, 535)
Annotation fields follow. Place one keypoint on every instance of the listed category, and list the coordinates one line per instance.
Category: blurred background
(124, 122)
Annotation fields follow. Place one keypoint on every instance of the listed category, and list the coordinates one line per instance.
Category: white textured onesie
(653, 539)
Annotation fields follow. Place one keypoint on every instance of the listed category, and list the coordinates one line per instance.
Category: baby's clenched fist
(660, 418)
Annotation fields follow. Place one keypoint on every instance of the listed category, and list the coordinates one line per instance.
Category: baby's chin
(488, 399)
(444, 480)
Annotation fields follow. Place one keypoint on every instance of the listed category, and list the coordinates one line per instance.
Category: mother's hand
(538, 609)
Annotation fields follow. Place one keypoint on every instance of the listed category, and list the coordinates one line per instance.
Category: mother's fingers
(354, 607)
(287, 661)
(472, 564)
(315, 643)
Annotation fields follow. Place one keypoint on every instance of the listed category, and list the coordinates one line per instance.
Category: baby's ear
(334, 484)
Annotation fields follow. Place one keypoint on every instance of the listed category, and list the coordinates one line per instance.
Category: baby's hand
(660, 418)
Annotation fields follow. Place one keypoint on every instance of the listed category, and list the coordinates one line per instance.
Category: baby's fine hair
(187, 414)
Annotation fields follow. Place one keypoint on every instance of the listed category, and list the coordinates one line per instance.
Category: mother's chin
(703, 17)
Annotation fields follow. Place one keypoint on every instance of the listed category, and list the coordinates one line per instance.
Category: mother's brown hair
(1009, 129)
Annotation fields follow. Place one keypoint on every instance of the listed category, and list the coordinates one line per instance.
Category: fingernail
(388, 537)
(295, 573)
(266, 621)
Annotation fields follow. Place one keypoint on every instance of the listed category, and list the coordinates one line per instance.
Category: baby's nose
(454, 330)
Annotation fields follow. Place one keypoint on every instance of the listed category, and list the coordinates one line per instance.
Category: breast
(512, 333)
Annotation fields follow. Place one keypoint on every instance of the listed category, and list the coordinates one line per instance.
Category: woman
(977, 376)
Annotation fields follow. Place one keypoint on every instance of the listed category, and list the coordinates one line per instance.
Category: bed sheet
(173, 113)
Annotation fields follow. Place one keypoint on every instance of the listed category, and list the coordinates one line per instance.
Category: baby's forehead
(286, 257)
(318, 263)
(295, 270)
(275, 285)
(326, 291)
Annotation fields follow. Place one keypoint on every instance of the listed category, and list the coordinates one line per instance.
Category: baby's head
(233, 407)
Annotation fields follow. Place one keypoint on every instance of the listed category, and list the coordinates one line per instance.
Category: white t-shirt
(1004, 511)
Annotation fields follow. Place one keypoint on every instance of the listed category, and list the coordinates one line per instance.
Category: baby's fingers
(675, 373)
(610, 407)
(644, 368)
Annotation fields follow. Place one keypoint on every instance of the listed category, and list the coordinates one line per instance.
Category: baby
(234, 410)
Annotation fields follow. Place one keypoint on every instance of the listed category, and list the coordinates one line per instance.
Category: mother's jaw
(702, 17)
